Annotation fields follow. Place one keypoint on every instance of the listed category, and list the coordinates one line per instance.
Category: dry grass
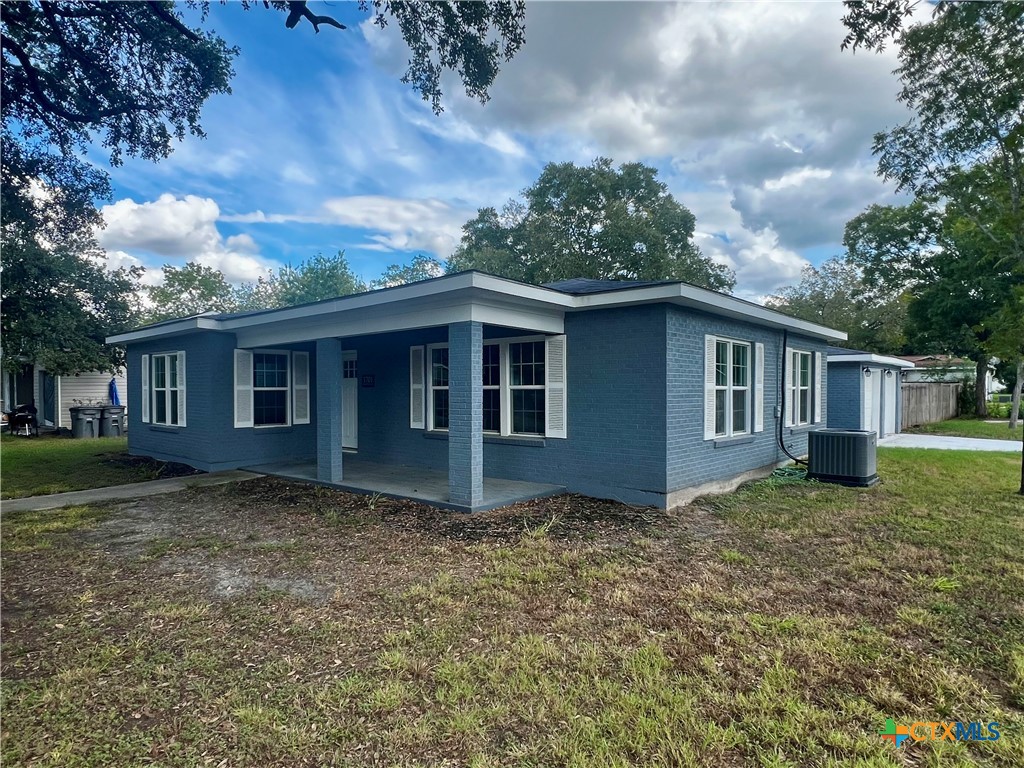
(278, 624)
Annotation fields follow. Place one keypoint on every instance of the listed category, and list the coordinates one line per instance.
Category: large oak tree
(595, 221)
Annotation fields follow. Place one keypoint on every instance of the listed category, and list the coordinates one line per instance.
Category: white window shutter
(759, 387)
(788, 384)
(819, 371)
(300, 387)
(147, 396)
(417, 393)
(709, 387)
(243, 388)
(554, 373)
(181, 389)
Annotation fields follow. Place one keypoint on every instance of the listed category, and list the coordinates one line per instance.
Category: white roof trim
(894, 362)
(172, 328)
(708, 301)
(483, 288)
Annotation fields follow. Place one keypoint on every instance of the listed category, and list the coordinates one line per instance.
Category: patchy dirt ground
(311, 542)
(276, 623)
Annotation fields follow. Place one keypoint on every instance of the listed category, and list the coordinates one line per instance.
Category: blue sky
(754, 118)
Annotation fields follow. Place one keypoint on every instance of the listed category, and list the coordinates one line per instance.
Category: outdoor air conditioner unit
(844, 456)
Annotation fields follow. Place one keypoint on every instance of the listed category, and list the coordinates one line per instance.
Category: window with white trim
(732, 388)
(515, 388)
(492, 388)
(526, 387)
(438, 381)
(167, 388)
(270, 389)
(800, 393)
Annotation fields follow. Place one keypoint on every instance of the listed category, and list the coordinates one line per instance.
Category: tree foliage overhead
(962, 78)
(835, 295)
(596, 221)
(131, 78)
(59, 304)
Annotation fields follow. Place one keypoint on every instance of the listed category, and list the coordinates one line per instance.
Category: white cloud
(178, 230)
(796, 178)
(761, 262)
(390, 223)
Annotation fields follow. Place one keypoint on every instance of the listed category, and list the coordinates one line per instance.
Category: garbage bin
(112, 421)
(85, 421)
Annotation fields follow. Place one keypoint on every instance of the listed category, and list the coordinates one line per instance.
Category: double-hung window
(800, 392)
(438, 387)
(526, 387)
(270, 389)
(492, 388)
(732, 388)
(518, 388)
(167, 390)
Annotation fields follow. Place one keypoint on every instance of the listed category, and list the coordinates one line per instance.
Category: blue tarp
(115, 398)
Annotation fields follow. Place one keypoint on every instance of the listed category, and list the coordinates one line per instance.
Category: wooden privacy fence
(929, 401)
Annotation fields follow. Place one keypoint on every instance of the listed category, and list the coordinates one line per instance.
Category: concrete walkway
(130, 491)
(946, 443)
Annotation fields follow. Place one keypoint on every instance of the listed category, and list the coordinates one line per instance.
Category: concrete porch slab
(416, 483)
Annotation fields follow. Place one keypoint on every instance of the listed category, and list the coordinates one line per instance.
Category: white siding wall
(86, 386)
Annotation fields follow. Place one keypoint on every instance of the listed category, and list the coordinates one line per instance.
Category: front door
(350, 402)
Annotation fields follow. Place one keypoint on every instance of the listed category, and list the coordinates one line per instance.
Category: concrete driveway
(945, 443)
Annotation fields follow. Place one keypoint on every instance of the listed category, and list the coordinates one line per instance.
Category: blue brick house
(471, 391)
(865, 391)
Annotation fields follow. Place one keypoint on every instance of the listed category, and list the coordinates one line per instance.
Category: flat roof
(843, 355)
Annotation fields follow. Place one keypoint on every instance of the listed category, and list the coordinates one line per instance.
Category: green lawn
(278, 624)
(36, 466)
(970, 428)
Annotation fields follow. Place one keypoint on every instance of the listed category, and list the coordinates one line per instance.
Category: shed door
(871, 403)
(350, 402)
(889, 409)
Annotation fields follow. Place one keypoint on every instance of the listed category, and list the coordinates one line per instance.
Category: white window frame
(502, 378)
(287, 389)
(507, 365)
(166, 390)
(730, 388)
(797, 389)
(504, 387)
(431, 388)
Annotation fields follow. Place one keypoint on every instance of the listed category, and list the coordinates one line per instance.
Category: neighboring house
(54, 396)
(865, 391)
(947, 370)
(472, 391)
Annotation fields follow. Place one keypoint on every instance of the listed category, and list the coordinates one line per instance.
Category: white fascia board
(424, 290)
(892, 362)
(344, 325)
(708, 301)
(198, 323)
(519, 290)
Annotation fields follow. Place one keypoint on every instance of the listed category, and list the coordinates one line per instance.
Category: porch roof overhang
(472, 296)
(868, 357)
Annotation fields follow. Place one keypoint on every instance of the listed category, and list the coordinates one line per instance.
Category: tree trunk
(1015, 402)
(981, 388)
